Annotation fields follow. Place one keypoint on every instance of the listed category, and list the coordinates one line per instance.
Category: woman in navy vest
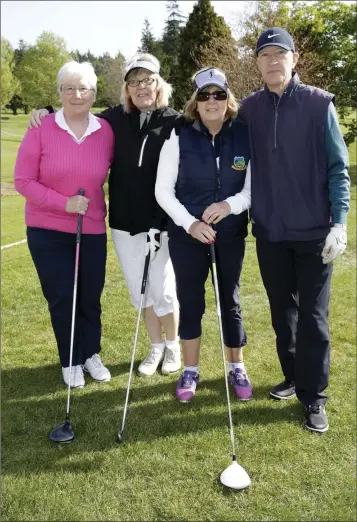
(203, 183)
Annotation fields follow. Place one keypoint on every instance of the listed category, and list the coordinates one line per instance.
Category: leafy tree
(203, 28)
(9, 83)
(38, 70)
(113, 77)
(325, 37)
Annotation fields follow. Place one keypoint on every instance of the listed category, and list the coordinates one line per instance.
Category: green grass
(169, 467)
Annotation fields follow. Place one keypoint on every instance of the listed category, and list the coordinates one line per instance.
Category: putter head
(235, 477)
(120, 437)
(62, 433)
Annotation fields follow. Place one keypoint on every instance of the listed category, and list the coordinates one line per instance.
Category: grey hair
(72, 69)
(164, 89)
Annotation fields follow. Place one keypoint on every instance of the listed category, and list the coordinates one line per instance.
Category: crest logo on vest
(239, 163)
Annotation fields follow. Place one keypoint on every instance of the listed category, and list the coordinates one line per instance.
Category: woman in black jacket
(141, 124)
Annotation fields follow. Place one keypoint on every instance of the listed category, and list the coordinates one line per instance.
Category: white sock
(192, 369)
(234, 365)
(172, 344)
(158, 346)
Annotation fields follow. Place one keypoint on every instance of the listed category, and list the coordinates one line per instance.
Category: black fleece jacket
(132, 203)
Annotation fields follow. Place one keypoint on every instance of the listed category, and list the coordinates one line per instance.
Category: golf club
(234, 476)
(64, 432)
(143, 288)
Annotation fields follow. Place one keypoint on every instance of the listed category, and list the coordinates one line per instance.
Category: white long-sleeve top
(166, 181)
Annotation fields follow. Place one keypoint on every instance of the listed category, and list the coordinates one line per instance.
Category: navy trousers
(53, 254)
(191, 262)
(298, 287)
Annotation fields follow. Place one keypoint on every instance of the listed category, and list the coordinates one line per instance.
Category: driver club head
(235, 477)
(63, 433)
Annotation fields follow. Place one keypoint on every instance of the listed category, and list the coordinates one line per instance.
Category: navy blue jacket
(290, 195)
(200, 182)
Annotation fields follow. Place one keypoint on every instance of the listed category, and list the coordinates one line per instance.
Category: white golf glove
(153, 242)
(335, 243)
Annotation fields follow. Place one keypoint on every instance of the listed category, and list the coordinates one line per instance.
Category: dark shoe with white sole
(316, 418)
(283, 391)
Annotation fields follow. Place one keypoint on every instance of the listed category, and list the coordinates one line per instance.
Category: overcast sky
(101, 26)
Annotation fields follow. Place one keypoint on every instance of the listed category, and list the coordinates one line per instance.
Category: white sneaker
(96, 369)
(77, 377)
(151, 362)
(172, 359)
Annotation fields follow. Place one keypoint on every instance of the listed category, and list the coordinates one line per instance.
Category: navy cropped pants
(192, 262)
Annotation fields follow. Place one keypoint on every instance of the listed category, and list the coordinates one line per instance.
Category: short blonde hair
(73, 69)
(190, 109)
(164, 89)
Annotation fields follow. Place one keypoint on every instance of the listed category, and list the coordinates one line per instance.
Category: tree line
(324, 35)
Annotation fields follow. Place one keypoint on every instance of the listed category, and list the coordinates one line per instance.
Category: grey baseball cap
(211, 76)
(141, 64)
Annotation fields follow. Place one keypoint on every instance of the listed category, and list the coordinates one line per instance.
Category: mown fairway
(169, 467)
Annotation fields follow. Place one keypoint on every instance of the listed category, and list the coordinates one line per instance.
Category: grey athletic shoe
(316, 418)
(283, 391)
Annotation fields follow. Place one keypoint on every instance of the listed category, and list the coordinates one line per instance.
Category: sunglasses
(217, 95)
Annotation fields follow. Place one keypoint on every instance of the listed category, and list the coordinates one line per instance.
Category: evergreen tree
(150, 45)
(171, 37)
(147, 39)
(203, 27)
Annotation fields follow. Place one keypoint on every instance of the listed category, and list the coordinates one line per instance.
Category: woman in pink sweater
(71, 150)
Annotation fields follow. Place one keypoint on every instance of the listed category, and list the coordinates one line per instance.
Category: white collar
(93, 125)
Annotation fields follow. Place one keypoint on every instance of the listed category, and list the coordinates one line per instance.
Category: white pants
(161, 286)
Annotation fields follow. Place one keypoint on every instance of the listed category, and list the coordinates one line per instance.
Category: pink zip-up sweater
(51, 167)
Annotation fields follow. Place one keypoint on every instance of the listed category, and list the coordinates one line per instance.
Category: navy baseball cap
(275, 36)
(210, 76)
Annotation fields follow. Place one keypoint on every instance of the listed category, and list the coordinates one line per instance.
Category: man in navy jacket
(300, 199)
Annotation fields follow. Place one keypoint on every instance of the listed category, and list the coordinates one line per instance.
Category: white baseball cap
(141, 64)
(210, 76)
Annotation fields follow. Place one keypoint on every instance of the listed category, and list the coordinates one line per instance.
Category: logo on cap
(271, 35)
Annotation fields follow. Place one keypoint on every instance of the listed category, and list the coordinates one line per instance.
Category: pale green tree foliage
(38, 70)
(9, 84)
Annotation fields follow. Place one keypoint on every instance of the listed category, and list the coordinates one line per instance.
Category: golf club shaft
(143, 288)
(76, 266)
(218, 306)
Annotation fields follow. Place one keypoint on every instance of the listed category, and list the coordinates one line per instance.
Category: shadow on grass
(96, 416)
(353, 175)
(21, 383)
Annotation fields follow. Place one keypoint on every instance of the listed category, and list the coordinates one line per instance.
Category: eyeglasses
(69, 91)
(217, 95)
(144, 82)
(278, 55)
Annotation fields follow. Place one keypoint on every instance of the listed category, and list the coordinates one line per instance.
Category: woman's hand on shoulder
(36, 117)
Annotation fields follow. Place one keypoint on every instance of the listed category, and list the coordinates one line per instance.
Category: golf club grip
(145, 274)
(213, 253)
(80, 219)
